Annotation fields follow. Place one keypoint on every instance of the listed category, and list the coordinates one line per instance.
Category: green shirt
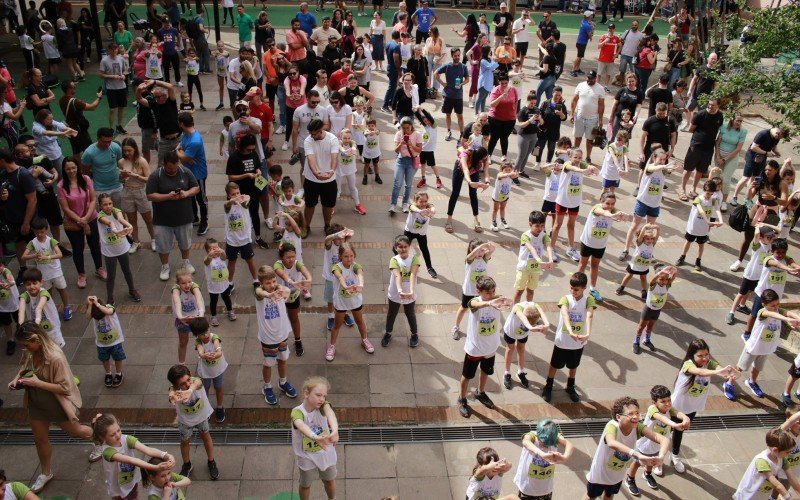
(124, 39)
(246, 27)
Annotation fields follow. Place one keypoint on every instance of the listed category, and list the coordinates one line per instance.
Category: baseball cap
(588, 13)
(241, 103)
(591, 74)
(253, 91)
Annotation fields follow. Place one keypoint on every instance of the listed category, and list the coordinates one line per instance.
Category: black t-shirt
(525, 114)
(486, 130)
(551, 63)
(240, 163)
(706, 128)
(502, 30)
(765, 141)
(37, 90)
(656, 96)
(559, 52)
(659, 130)
(166, 117)
(171, 213)
(705, 81)
(546, 29)
(20, 183)
(552, 122)
(144, 114)
(628, 99)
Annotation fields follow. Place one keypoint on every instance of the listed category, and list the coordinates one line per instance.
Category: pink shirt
(140, 64)
(294, 88)
(296, 54)
(506, 109)
(413, 138)
(77, 199)
(9, 97)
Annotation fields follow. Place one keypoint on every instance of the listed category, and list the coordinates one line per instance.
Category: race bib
(108, 337)
(618, 461)
(346, 159)
(475, 274)
(191, 407)
(657, 300)
(260, 182)
(46, 325)
(577, 327)
(235, 223)
(211, 362)
(642, 261)
(777, 277)
(126, 473)
(540, 469)
(533, 265)
(697, 389)
(654, 189)
(487, 327)
(372, 142)
(111, 237)
(770, 333)
(574, 189)
(599, 233)
(219, 275)
(192, 69)
(4, 294)
(419, 222)
(343, 291)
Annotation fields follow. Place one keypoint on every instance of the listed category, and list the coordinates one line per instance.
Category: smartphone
(100, 89)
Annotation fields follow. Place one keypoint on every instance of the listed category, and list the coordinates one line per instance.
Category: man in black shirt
(165, 108)
(764, 146)
(17, 202)
(559, 52)
(705, 127)
(544, 32)
(502, 24)
(703, 81)
(658, 129)
(243, 167)
(659, 93)
(554, 112)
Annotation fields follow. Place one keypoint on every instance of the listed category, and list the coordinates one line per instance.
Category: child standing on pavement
(552, 172)
(403, 269)
(615, 162)
(348, 165)
(487, 475)
(525, 317)
(108, 337)
(642, 258)
(427, 157)
(476, 265)
(9, 306)
(193, 75)
(759, 249)
(704, 207)
(292, 222)
(500, 194)
(187, 303)
(419, 215)
(238, 227)
(295, 276)
(335, 236)
(760, 480)
(654, 303)
(372, 151)
(538, 458)
(349, 277)
(114, 246)
(36, 304)
(224, 136)
(217, 280)
(211, 363)
(569, 197)
(44, 249)
(533, 245)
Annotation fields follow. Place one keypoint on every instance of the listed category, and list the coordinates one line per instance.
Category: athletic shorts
(511, 341)
(149, 143)
(584, 126)
(135, 200)
(117, 98)
(233, 252)
(649, 314)
(747, 286)
(166, 235)
(794, 372)
(316, 192)
(567, 210)
(451, 105)
(344, 311)
(521, 48)
(606, 68)
(307, 476)
(642, 210)
(526, 279)
(6, 318)
(548, 207)
(699, 159)
(187, 431)
(465, 300)
(471, 364)
(581, 49)
(598, 490)
(746, 360)
(587, 251)
(216, 381)
(59, 282)
(115, 352)
(571, 358)
(295, 304)
(699, 239)
(427, 158)
(608, 183)
(629, 270)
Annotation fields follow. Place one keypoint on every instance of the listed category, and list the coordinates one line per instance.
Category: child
(275, 173)
(531, 259)
(238, 239)
(348, 167)
(221, 57)
(763, 341)
(616, 448)
(661, 418)
(793, 459)
(760, 249)
(615, 162)
(292, 222)
(108, 338)
(164, 483)
(419, 215)
(715, 176)
(191, 403)
(476, 139)
(224, 136)
(537, 460)
(487, 475)
(335, 236)
(217, 280)
(525, 318)
(403, 269)
(50, 47)
(37, 305)
(427, 157)
(154, 71)
(569, 197)
(699, 225)
(350, 280)
(273, 332)
(211, 363)
(475, 265)
(788, 213)
(120, 464)
(359, 123)
(186, 104)
(626, 122)
(656, 298)
(295, 276)
(642, 258)
(114, 246)
(483, 339)
(594, 237)
(15, 489)
(315, 432)
(26, 43)
(45, 250)
(502, 188)
(552, 173)
(193, 75)
(517, 78)
(574, 327)
(9, 306)
(759, 480)
(187, 303)
(372, 151)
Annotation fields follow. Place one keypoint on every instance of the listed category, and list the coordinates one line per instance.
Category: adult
(362, 65)
(246, 26)
(67, 37)
(234, 82)
(319, 173)
(424, 18)
(763, 147)
(243, 126)
(585, 35)
(332, 55)
(676, 60)
(354, 90)
(393, 63)
(627, 98)
(559, 51)
(146, 121)
(101, 159)
(76, 197)
(165, 107)
(586, 111)
(243, 168)
(407, 145)
(86, 30)
(505, 55)
(470, 34)
(456, 75)
(264, 32)
(322, 35)
(475, 57)
(377, 37)
(198, 32)
(705, 127)
(134, 170)
(547, 73)
(703, 81)
(434, 54)
(472, 165)
(727, 147)
(502, 21)
(307, 19)
(339, 114)
(610, 45)
(630, 45)
(646, 61)
(122, 37)
(260, 110)
(39, 96)
(118, 11)
(302, 118)
(11, 112)
(296, 43)
(18, 202)
(112, 70)
(683, 20)
(46, 130)
(406, 100)
(192, 154)
(522, 35)
(169, 38)
(502, 103)
(171, 188)
(658, 129)
(529, 121)
(544, 33)
(338, 78)
(51, 396)
(659, 93)
(554, 112)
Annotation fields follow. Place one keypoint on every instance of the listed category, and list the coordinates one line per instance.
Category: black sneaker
(523, 379)
(433, 273)
(637, 348)
(196, 221)
(108, 381)
(118, 378)
(262, 244)
(651, 481)
(573, 394)
(524, 175)
(547, 393)
(743, 309)
(385, 340)
(649, 345)
(507, 381)
(365, 181)
(186, 469)
(121, 130)
(203, 108)
(378, 179)
(219, 415)
(516, 182)
(620, 290)
(483, 398)
(11, 346)
(631, 484)
(681, 260)
(413, 340)
(213, 472)
(203, 229)
(463, 408)
(298, 348)
(697, 266)
(220, 104)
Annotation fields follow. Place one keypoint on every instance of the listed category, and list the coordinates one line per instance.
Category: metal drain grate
(393, 435)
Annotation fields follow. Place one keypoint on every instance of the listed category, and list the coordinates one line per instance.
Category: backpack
(739, 218)
(193, 28)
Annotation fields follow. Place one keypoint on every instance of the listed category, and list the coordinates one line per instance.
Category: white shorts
(59, 282)
(584, 126)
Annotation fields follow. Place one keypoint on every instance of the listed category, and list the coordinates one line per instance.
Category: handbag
(739, 218)
(415, 162)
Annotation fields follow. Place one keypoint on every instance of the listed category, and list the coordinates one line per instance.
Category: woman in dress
(377, 36)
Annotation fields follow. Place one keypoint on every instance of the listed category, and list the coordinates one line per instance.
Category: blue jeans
(546, 87)
(388, 99)
(674, 75)
(403, 173)
(281, 96)
(480, 102)
(642, 76)
(625, 62)
(432, 67)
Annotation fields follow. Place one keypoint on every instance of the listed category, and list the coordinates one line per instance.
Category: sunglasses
(292, 74)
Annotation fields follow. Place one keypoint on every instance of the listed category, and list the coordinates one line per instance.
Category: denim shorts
(182, 327)
(217, 381)
(115, 352)
(327, 294)
(608, 183)
(187, 431)
(642, 210)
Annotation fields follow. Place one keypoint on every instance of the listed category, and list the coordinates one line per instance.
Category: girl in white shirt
(348, 165)
(487, 475)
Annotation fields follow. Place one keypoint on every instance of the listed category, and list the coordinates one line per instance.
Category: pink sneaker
(360, 209)
(101, 273)
(367, 345)
(306, 295)
(330, 352)
(81, 281)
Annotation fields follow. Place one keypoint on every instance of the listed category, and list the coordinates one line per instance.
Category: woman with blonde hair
(134, 171)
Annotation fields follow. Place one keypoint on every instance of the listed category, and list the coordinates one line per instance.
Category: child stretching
(537, 460)
(108, 337)
(348, 297)
(661, 418)
(502, 188)
(427, 157)
(525, 318)
(531, 259)
(419, 215)
(273, 332)
(36, 304)
(186, 105)
(292, 222)
(187, 303)
(191, 403)
(574, 327)
(752, 272)
(403, 269)
(594, 237)
(788, 213)
(372, 151)
(9, 306)
(760, 479)
(568, 200)
(45, 250)
(193, 75)
(654, 303)
(346, 173)
(359, 124)
(615, 162)
(698, 226)
(221, 57)
(335, 236)
(475, 265)
(120, 464)
(114, 246)
(217, 280)
(552, 172)
(211, 363)
(315, 432)
(238, 226)
(295, 276)
(164, 484)
(642, 258)
(792, 426)
(487, 475)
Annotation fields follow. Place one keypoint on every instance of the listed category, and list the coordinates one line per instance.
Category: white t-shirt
(321, 150)
(596, 230)
(50, 268)
(9, 298)
(483, 331)
(238, 225)
(217, 276)
(697, 225)
(570, 188)
(488, 487)
(429, 137)
(303, 116)
(338, 118)
(588, 99)
(577, 312)
(651, 188)
(343, 300)
(523, 36)
(348, 161)
(612, 162)
(404, 266)
(111, 244)
(754, 484)
(535, 475)
(50, 46)
(210, 369)
(472, 271)
(321, 38)
(108, 331)
(765, 336)
(609, 466)
(196, 410)
(417, 223)
(309, 454)
(324, 95)
(273, 321)
(642, 258)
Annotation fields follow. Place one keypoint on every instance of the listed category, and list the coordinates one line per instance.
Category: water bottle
(458, 82)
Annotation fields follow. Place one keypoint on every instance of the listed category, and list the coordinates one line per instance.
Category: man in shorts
(319, 172)
(522, 35)
(610, 45)
(586, 111)
(456, 76)
(112, 70)
(101, 158)
(585, 34)
(704, 128)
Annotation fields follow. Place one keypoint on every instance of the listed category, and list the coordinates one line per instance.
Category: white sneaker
(280, 130)
(504, 225)
(405, 208)
(658, 471)
(678, 464)
(723, 207)
(153, 245)
(736, 265)
(471, 104)
(41, 481)
(269, 223)
(134, 247)
(392, 209)
(285, 146)
(494, 227)
(503, 159)
(96, 453)
(164, 276)
(188, 266)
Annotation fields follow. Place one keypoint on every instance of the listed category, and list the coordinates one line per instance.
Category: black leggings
(78, 239)
(677, 436)
(225, 12)
(253, 208)
(408, 309)
(619, 6)
(289, 124)
(194, 80)
(501, 129)
(174, 61)
(111, 269)
(226, 298)
(422, 241)
(458, 179)
(551, 148)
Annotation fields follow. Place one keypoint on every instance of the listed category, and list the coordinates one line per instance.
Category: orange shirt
(271, 74)
(505, 55)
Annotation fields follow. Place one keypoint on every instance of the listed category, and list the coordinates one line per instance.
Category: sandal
(693, 194)
(478, 228)
(683, 197)
(448, 228)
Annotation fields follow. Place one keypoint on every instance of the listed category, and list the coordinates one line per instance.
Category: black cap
(591, 74)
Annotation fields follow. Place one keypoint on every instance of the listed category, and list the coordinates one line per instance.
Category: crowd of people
(311, 93)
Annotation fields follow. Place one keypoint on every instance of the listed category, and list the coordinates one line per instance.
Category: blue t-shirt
(583, 33)
(105, 172)
(192, 145)
(170, 39)
(307, 22)
(391, 48)
(451, 72)
(424, 18)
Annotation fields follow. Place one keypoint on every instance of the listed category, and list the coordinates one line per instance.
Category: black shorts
(521, 48)
(549, 207)
(427, 158)
(47, 207)
(598, 490)
(320, 191)
(511, 341)
(232, 252)
(53, 60)
(360, 148)
(794, 372)
(636, 273)
(6, 318)
(451, 105)
(17, 235)
(747, 286)
(650, 314)
(273, 346)
(523, 496)
(352, 310)
(571, 358)
(581, 49)
(295, 304)
(117, 98)
(471, 363)
(701, 240)
(465, 300)
(597, 253)
(698, 159)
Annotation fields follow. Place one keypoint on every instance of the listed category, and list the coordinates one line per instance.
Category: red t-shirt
(607, 51)
(644, 63)
(294, 88)
(264, 113)
(506, 109)
(338, 79)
